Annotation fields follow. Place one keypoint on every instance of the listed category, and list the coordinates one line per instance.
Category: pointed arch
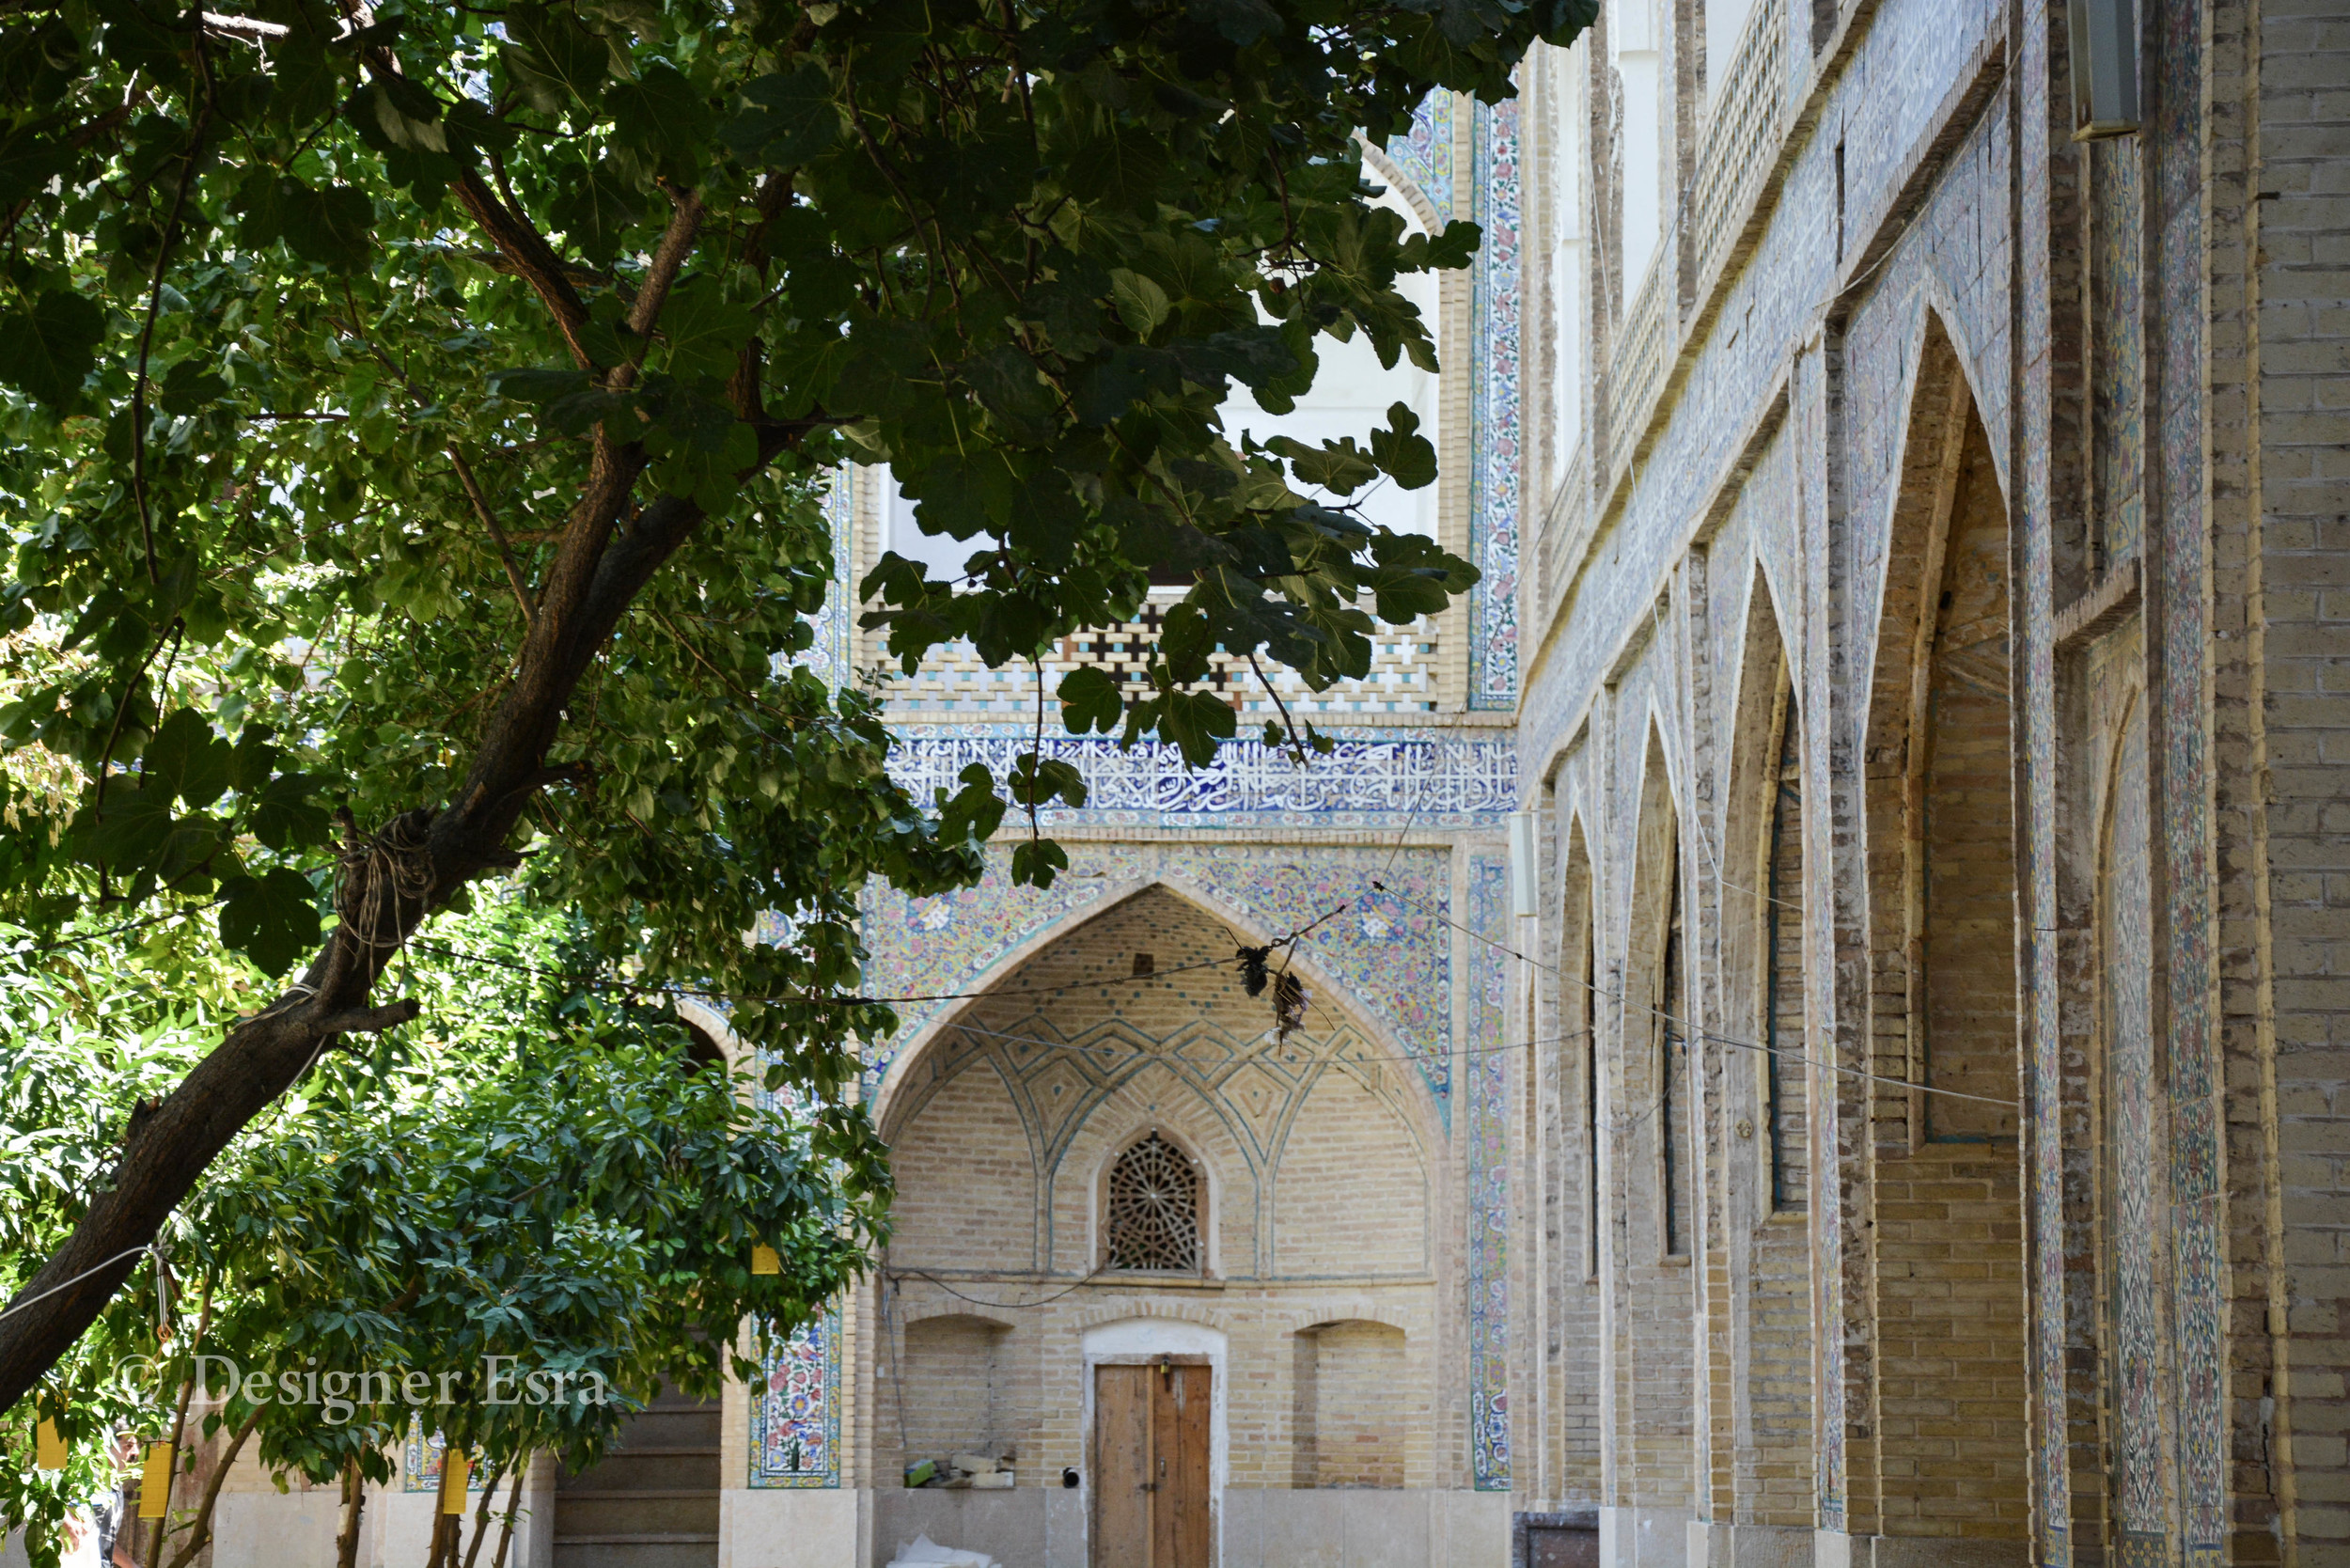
(1762, 970)
(1938, 848)
(1655, 1032)
(1578, 1012)
(1381, 1053)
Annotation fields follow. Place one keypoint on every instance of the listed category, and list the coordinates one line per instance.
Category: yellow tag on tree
(454, 1470)
(48, 1446)
(765, 1260)
(155, 1482)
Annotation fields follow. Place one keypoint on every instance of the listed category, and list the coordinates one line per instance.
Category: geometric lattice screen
(1154, 1210)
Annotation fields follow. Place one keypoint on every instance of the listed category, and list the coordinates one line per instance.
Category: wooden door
(1150, 1466)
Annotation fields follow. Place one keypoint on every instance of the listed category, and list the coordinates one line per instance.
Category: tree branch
(490, 521)
(200, 1529)
(154, 307)
(668, 258)
(532, 257)
(392, 881)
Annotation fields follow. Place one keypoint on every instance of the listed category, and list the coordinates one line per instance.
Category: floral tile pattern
(795, 1415)
(1374, 778)
(1494, 477)
(1486, 1067)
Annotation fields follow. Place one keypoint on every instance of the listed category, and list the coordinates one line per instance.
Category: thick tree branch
(532, 257)
(668, 258)
(413, 865)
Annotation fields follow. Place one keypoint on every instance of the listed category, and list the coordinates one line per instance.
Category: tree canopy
(415, 418)
(539, 1169)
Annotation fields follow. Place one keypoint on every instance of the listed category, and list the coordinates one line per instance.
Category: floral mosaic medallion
(1487, 1070)
(795, 1419)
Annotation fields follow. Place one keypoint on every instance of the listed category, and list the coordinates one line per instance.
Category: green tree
(417, 412)
(534, 1171)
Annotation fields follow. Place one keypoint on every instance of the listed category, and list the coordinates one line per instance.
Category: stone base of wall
(1834, 1549)
(1640, 1537)
(263, 1528)
(1037, 1527)
(1343, 1527)
(1714, 1545)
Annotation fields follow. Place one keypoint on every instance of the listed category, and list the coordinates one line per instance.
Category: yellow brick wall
(1321, 1207)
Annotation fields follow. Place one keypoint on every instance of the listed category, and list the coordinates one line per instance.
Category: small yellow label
(454, 1470)
(765, 1260)
(155, 1482)
(48, 1446)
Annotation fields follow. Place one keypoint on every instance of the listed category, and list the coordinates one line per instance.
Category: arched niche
(1379, 1054)
(1950, 1359)
(1345, 1428)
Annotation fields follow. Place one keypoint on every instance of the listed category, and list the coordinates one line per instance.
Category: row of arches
(1788, 1110)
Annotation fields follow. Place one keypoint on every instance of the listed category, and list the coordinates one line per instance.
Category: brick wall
(1345, 1413)
(2300, 230)
(1321, 1204)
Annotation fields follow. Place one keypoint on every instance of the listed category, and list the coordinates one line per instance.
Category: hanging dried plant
(1289, 1006)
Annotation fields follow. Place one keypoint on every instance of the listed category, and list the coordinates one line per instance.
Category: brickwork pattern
(1318, 1179)
(2299, 228)
(1894, 212)
(1346, 1423)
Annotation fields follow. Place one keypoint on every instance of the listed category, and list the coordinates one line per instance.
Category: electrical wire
(639, 988)
(1689, 1031)
(131, 1252)
(998, 1306)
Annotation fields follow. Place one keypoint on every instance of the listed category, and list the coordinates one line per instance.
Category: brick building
(1823, 1033)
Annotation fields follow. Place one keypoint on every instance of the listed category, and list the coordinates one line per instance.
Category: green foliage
(535, 1169)
(420, 412)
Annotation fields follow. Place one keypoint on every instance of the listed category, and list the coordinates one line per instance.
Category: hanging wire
(1690, 1031)
(127, 1252)
(601, 983)
(998, 1306)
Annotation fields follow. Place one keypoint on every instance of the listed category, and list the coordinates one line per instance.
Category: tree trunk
(200, 1530)
(482, 1514)
(355, 1505)
(388, 885)
(513, 1502)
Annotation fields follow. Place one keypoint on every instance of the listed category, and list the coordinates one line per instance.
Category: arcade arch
(1127, 1039)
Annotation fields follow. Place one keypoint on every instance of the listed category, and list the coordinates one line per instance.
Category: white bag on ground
(926, 1553)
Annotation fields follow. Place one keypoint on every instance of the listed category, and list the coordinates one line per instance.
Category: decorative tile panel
(1379, 779)
(1486, 1066)
(795, 1415)
(1393, 956)
(934, 947)
(1494, 390)
(1425, 156)
(2172, 80)
(2140, 1217)
(421, 1462)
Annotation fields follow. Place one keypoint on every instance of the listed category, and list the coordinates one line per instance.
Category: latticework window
(1153, 1218)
